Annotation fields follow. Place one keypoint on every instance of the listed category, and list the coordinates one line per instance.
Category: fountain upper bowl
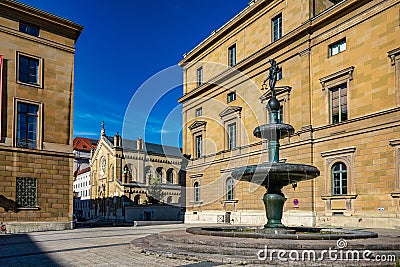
(268, 131)
(275, 174)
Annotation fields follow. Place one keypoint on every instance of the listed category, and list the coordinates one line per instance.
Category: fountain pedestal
(273, 202)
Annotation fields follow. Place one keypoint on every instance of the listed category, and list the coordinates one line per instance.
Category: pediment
(345, 74)
(197, 124)
(230, 110)
(279, 90)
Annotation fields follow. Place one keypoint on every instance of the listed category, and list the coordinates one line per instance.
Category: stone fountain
(274, 175)
(214, 243)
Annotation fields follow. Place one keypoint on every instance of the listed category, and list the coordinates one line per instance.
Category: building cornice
(253, 7)
(37, 39)
(66, 24)
(307, 27)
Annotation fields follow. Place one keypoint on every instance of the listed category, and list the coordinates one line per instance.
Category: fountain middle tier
(273, 131)
(276, 174)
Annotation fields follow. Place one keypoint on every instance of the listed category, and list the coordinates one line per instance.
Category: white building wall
(82, 201)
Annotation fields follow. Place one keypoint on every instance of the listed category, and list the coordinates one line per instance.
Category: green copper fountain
(274, 175)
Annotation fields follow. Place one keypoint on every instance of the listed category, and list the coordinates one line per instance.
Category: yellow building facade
(36, 118)
(135, 174)
(339, 88)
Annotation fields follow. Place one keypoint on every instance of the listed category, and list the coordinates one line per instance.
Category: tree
(155, 192)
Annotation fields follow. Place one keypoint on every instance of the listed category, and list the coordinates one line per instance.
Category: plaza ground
(103, 246)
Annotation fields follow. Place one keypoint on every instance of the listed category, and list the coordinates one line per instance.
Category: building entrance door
(147, 215)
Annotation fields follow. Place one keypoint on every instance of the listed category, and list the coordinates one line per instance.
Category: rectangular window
(232, 136)
(199, 146)
(26, 192)
(279, 75)
(231, 97)
(280, 114)
(29, 69)
(338, 103)
(337, 47)
(27, 125)
(277, 28)
(28, 29)
(232, 56)
(199, 112)
(199, 76)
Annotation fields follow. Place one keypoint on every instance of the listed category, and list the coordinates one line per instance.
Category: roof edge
(24, 8)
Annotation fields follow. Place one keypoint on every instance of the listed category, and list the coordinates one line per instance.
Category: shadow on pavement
(18, 249)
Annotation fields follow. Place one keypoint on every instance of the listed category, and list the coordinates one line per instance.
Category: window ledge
(231, 201)
(39, 86)
(26, 208)
(395, 195)
(196, 202)
(339, 197)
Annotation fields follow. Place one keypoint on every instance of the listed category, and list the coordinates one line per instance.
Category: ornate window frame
(394, 56)
(198, 128)
(195, 178)
(333, 80)
(39, 129)
(231, 115)
(396, 145)
(346, 156)
(39, 74)
(229, 189)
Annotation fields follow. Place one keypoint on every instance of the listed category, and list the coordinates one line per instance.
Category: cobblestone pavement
(105, 246)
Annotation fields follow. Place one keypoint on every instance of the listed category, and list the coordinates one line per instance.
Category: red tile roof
(83, 171)
(84, 144)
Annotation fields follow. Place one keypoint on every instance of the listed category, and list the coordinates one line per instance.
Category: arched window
(136, 200)
(127, 174)
(339, 179)
(112, 173)
(147, 171)
(229, 189)
(159, 172)
(170, 176)
(196, 192)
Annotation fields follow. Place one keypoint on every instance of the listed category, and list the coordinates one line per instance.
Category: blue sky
(125, 43)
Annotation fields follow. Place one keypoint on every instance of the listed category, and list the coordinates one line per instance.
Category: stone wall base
(26, 227)
(294, 218)
(359, 221)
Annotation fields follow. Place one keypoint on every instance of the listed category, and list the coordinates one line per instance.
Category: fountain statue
(274, 175)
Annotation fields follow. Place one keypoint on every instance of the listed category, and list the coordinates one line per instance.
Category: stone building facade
(36, 114)
(339, 87)
(133, 173)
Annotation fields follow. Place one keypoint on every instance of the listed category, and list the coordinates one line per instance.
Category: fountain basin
(299, 233)
(275, 174)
